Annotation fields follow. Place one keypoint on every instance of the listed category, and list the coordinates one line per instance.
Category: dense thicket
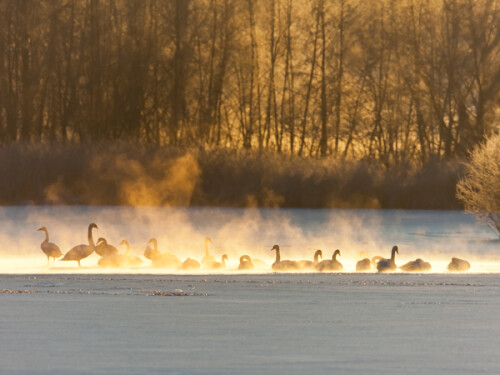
(124, 173)
(395, 81)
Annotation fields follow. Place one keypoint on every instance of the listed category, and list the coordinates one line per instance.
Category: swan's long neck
(128, 247)
(334, 258)
(206, 248)
(223, 261)
(393, 255)
(46, 235)
(155, 244)
(316, 256)
(278, 256)
(91, 240)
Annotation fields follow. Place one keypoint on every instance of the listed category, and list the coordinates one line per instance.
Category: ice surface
(250, 324)
(65, 320)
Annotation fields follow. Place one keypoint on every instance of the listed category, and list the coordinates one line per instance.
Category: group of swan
(110, 257)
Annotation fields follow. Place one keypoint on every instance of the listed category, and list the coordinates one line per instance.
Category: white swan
(387, 265)
(221, 264)
(132, 260)
(151, 253)
(208, 259)
(330, 265)
(245, 263)
(159, 259)
(113, 260)
(104, 249)
(376, 259)
(80, 252)
(307, 264)
(417, 265)
(458, 265)
(190, 264)
(364, 265)
(50, 249)
(283, 265)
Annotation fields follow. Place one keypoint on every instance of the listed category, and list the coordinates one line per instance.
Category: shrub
(479, 189)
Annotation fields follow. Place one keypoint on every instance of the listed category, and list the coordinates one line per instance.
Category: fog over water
(435, 236)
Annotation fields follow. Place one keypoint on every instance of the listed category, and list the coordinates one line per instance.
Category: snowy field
(61, 319)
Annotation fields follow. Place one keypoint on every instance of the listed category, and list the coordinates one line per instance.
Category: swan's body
(308, 264)
(222, 264)
(153, 252)
(159, 259)
(375, 260)
(283, 265)
(260, 264)
(417, 265)
(191, 264)
(120, 260)
(208, 259)
(80, 252)
(364, 265)
(458, 265)
(132, 260)
(246, 263)
(113, 260)
(330, 265)
(50, 249)
(104, 249)
(387, 265)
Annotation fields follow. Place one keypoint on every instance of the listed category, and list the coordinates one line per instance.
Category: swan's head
(42, 229)
(152, 240)
(224, 257)
(208, 239)
(275, 247)
(93, 225)
(337, 252)
(124, 242)
(395, 249)
(102, 240)
(319, 253)
(245, 258)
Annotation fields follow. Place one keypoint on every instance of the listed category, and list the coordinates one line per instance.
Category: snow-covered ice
(250, 324)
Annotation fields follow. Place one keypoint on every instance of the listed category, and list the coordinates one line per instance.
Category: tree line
(394, 81)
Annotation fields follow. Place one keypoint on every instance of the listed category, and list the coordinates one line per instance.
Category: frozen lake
(250, 324)
(63, 319)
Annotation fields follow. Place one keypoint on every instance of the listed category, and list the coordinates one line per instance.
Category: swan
(417, 265)
(246, 263)
(222, 264)
(376, 259)
(80, 252)
(458, 265)
(364, 265)
(159, 259)
(386, 265)
(208, 259)
(132, 260)
(113, 260)
(49, 248)
(151, 253)
(283, 265)
(307, 264)
(190, 264)
(330, 265)
(103, 248)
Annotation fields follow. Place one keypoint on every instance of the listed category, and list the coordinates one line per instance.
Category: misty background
(276, 103)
